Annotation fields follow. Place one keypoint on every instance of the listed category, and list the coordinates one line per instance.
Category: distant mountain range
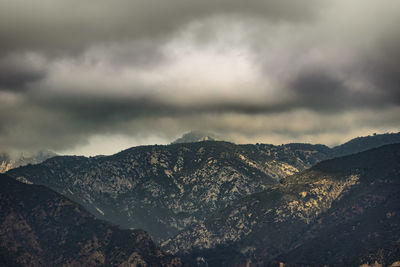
(364, 143)
(39, 227)
(8, 162)
(216, 203)
(355, 145)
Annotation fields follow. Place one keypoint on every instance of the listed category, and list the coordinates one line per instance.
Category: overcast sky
(95, 77)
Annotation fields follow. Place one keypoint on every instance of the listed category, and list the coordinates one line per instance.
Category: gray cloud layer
(73, 25)
(73, 73)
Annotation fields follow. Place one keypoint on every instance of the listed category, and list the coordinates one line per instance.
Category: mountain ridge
(359, 192)
(39, 227)
(160, 187)
(166, 188)
(364, 143)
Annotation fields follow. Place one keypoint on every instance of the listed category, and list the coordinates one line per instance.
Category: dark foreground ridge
(39, 227)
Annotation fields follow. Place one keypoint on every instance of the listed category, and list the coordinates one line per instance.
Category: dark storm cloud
(17, 78)
(378, 69)
(60, 26)
(17, 72)
(249, 70)
(319, 91)
(384, 70)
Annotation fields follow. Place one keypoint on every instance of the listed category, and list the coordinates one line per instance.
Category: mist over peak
(195, 136)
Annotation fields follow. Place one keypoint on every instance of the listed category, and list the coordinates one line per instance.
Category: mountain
(8, 161)
(342, 212)
(39, 227)
(164, 189)
(195, 136)
(353, 146)
(167, 189)
(364, 143)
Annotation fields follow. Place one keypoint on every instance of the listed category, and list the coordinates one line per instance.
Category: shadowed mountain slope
(39, 227)
(364, 143)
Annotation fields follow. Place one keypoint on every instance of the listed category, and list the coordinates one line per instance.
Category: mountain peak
(13, 160)
(195, 136)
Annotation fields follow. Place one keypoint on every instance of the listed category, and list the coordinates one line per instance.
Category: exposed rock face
(8, 162)
(341, 212)
(39, 227)
(5, 164)
(164, 189)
